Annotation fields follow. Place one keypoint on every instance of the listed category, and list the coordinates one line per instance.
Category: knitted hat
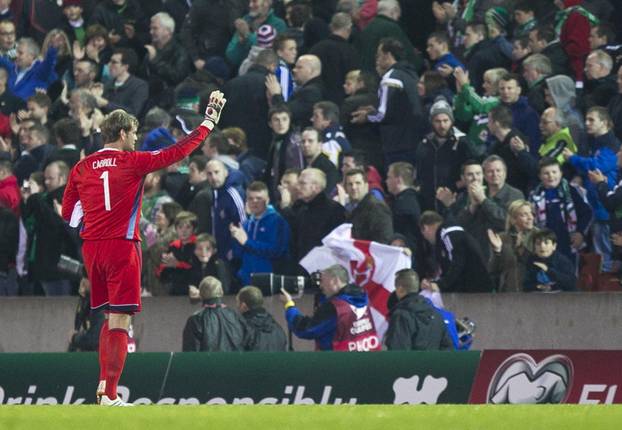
(499, 17)
(441, 106)
(265, 36)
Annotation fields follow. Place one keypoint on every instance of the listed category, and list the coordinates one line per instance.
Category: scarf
(562, 16)
(564, 199)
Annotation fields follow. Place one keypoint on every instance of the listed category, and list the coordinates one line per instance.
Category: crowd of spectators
(481, 135)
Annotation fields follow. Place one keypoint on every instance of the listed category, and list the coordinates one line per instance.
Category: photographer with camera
(342, 320)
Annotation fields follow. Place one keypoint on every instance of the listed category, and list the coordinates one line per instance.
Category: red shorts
(113, 267)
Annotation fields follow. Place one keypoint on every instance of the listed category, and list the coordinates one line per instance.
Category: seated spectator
(262, 240)
(561, 207)
(259, 13)
(511, 145)
(285, 149)
(267, 334)
(27, 73)
(341, 322)
(307, 76)
(326, 120)
(371, 218)
(548, 270)
(35, 150)
(414, 323)
(124, 91)
(460, 262)
(253, 168)
(38, 107)
(176, 262)
(512, 248)
(9, 103)
(315, 158)
(205, 263)
(215, 328)
(600, 83)
(125, 20)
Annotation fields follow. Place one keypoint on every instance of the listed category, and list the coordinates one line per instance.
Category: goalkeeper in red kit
(104, 192)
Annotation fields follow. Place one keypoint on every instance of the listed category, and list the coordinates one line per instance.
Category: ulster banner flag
(371, 265)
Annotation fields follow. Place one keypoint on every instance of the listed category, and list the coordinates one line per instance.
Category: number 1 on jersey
(104, 177)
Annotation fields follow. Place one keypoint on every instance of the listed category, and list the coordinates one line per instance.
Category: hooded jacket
(415, 325)
(267, 335)
(268, 241)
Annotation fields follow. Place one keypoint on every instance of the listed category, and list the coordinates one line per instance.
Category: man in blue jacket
(26, 73)
(603, 146)
(524, 117)
(228, 207)
(263, 239)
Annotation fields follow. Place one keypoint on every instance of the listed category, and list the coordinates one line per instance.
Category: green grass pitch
(463, 417)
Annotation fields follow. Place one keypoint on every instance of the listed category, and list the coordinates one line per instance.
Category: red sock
(103, 350)
(115, 360)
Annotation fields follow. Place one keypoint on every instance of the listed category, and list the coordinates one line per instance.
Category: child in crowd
(176, 264)
(205, 263)
(548, 270)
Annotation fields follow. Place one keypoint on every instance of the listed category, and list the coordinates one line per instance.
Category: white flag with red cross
(371, 265)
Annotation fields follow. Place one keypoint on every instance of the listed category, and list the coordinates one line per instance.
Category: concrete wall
(525, 321)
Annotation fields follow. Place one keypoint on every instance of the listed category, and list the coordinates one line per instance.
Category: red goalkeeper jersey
(107, 187)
